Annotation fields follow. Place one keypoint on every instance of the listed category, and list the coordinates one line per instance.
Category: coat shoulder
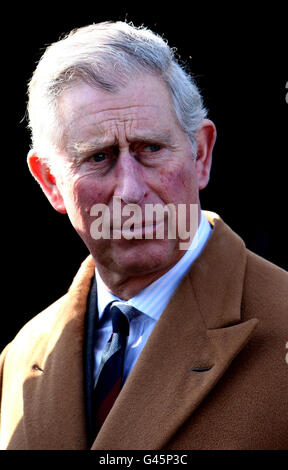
(34, 333)
(260, 266)
(265, 297)
(46, 327)
(265, 286)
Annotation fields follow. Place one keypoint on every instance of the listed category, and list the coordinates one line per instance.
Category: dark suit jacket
(212, 375)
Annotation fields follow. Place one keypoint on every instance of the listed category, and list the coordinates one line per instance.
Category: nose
(131, 187)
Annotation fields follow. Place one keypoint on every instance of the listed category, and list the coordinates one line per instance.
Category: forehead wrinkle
(99, 129)
(98, 117)
(108, 131)
(118, 107)
(95, 125)
(86, 111)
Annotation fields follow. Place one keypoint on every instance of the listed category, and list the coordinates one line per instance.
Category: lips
(146, 229)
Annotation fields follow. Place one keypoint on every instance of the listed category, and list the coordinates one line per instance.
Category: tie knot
(120, 322)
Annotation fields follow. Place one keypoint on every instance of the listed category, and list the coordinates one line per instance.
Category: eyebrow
(78, 150)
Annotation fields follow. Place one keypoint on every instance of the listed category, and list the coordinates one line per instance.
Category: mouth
(146, 230)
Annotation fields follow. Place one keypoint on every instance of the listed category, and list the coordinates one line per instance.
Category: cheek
(86, 192)
(81, 194)
(178, 184)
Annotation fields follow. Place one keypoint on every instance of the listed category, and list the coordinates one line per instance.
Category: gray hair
(106, 55)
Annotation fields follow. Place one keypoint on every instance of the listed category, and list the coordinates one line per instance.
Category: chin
(144, 257)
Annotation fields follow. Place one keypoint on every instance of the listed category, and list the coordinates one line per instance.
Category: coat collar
(195, 340)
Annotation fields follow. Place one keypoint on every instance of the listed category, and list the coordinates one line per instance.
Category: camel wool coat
(213, 374)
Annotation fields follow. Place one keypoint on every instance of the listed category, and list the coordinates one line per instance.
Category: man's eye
(98, 157)
(152, 148)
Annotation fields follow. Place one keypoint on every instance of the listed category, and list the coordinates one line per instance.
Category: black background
(238, 57)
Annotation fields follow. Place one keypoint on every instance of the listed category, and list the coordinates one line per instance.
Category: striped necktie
(109, 380)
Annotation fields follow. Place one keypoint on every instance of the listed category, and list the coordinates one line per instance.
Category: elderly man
(154, 346)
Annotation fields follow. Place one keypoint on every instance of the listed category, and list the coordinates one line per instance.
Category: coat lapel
(197, 337)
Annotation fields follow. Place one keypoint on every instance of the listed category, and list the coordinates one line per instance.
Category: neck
(126, 287)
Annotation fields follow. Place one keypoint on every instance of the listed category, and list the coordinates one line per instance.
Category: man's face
(128, 145)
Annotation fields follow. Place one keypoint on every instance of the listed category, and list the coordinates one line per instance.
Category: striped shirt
(150, 302)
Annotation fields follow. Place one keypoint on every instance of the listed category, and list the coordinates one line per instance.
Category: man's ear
(205, 139)
(42, 173)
